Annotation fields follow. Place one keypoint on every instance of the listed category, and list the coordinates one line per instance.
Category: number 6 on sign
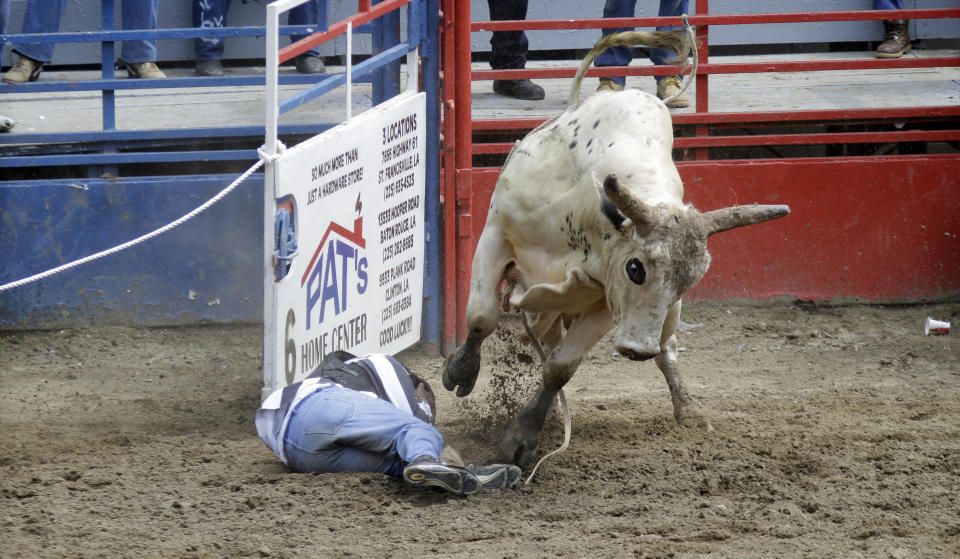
(290, 349)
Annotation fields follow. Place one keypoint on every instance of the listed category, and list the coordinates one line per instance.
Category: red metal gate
(872, 228)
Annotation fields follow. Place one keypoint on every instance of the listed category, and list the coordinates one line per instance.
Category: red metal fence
(874, 228)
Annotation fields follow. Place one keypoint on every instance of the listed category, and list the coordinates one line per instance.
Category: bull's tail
(682, 42)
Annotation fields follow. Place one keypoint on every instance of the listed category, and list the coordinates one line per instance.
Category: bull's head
(660, 254)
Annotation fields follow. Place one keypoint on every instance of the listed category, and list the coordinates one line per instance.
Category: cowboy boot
(667, 87)
(896, 39)
(25, 70)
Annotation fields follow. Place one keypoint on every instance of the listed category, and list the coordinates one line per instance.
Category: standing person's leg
(668, 85)
(896, 32)
(6, 123)
(209, 14)
(664, 57)
(41, 16)
(509, 50)
(140, 56)
(307, 13)
(615, 56)
(4, 16)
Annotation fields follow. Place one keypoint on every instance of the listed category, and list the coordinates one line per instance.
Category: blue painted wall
(207, 270)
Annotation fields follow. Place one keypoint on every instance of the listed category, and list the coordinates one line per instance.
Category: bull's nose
(635, 355)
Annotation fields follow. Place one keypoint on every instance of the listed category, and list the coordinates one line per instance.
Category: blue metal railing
(110, 139)
(108, 147)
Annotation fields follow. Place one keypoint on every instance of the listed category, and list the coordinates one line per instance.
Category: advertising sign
(357, 198)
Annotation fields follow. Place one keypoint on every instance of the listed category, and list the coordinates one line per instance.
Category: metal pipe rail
(700, 136)
(702, 20)
(236, 226)
(369, 71)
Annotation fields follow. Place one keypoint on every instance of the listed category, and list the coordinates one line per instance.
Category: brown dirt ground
(837, 434)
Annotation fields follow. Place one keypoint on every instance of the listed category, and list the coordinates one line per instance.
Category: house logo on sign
(337, 270)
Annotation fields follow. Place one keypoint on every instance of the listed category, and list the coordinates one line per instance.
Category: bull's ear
(639, 213)
(724, 219)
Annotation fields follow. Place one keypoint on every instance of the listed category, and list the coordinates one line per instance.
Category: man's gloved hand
(424, 392)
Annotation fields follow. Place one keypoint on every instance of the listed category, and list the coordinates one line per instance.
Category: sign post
(344, 228)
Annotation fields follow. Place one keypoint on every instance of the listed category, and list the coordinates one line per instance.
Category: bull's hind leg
(483, 311)
(519, 444)
(685, 408)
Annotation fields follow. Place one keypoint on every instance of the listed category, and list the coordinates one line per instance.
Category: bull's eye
(635, 271)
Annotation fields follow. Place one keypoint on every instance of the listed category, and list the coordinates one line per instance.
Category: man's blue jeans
(621, 56)
(213, 14)
(337, 429)
(4, 15)
(43, 16)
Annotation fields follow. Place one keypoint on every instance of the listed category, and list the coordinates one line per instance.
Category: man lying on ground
(368, 414)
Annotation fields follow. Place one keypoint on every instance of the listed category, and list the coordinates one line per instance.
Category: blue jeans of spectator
(4, 15)
(887, 5)
(621, 56)
(43, 16)
(508, 48)
(337, 429)
(213, 14)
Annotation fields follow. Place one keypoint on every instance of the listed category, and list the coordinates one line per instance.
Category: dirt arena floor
(837, 434)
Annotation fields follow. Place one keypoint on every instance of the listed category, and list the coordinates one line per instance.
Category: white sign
(356, 283)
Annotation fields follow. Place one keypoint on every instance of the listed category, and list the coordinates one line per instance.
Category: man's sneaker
(209, 68)
(519, 89)
(425, 471)
(607, 84)
(496, 476)
(667, 87)
(25, 70)
(309, 64)
(145, 70)
(6, 123)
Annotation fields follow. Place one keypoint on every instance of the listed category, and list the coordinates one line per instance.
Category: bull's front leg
(685, 408)
(519, 444)
(483, 311)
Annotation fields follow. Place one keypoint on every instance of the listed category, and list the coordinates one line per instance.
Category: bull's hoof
(518, 448)
(461, 370)
(692, 417)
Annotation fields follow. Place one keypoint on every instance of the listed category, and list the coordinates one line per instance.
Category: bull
(588, 225)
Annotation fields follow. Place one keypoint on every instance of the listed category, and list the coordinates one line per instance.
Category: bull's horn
(723, 219)
(639, 213)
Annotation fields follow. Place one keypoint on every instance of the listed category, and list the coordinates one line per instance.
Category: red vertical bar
(462, 79)
(464, 161)
(702, 80)
(449, 178)
(363, 5)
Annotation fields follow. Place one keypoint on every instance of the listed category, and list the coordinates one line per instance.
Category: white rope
(566, 434)
(561, 398)
(693, 72)
(263, 158)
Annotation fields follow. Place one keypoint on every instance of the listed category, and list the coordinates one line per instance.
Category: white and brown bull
(588, 223)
